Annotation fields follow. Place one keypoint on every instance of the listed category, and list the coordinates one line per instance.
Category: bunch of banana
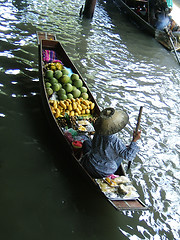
(73, 107)
(54, 66)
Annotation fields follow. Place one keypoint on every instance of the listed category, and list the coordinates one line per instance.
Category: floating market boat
(138, 10)
(71, 118)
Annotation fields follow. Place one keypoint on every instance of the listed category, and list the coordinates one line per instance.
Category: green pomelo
(49, 74)
(58, 74)
(65, 72)
(60, 85)
(48, 84)
(68, 87)
(64, 79)
(49, 91)
(74, 88)
(78, 83)
(83, 89)
(76, 93)
(53, 80)
(69, 96)
(61, 91)
(74, 76)
(63, 97)
(84, 95)
(56, 87)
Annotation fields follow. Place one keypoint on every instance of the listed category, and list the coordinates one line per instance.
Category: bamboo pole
(172, 44)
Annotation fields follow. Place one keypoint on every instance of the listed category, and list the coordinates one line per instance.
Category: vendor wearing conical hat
(104, 154)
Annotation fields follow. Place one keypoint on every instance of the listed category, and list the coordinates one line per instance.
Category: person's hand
(136, 135)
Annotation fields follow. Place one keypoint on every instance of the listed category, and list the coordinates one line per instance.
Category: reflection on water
(124, 68)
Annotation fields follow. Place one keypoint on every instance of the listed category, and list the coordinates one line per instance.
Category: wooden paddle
(136, 130)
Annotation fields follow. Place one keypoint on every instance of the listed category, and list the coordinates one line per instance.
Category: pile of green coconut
(65, 86)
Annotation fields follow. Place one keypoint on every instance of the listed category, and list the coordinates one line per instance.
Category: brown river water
(41, 196)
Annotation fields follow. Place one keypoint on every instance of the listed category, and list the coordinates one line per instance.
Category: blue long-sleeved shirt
(106, 155)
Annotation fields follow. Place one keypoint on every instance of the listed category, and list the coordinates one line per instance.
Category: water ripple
(125, 69)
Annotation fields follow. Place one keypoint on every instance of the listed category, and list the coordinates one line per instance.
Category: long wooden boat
(129, 7)
(47, 42)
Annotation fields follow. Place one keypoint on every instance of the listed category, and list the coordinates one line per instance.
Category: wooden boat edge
(147, 27)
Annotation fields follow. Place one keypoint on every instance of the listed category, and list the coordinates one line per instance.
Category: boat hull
(130, 13)
(160, 35)
(54, 45)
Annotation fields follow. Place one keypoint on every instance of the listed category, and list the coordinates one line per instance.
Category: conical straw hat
(111, 121)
